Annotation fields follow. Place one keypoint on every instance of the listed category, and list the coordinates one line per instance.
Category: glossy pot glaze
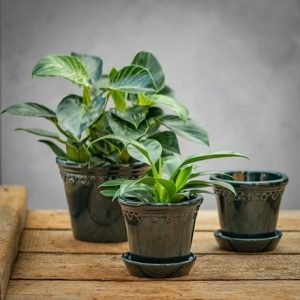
(159, 230)
(255, 208)
(94, 217)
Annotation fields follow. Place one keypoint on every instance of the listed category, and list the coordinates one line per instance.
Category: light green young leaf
(119, 100)
(68, 67)
(149, 62)
(189, 130)
(183, 177)
(168, 185)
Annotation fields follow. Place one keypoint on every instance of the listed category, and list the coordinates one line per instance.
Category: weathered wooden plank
(110, 267)
(62, 241)
(67, 290)
(289, 220)
(12, 219)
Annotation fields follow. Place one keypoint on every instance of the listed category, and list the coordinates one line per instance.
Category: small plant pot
(160, 237)
(250, 217)
(94, 217)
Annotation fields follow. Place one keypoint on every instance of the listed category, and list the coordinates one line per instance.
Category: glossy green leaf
(171, 104)
(153, 148)
(118, 126)
(92, 64)
(114, 182)
(39, 132)
(132, 79)
(170, 164)
(75, 117)
(149, 62)
(183, 177)
(203, 183)
(167, 91)
(134, 115)
(57, 150)
(30, 109)
(168, 185)
(189, 130)
(109, 192)
(68, 67)
(168, 141)
(119, 100)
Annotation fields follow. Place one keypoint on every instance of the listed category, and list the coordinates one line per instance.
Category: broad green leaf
(168, 141)
(133, 115)
(118, 126)
(72, 152)
(92, 64)
(152, 147)
(58, 151)
(75, 117)
(183, 177)
(39, 132)
(169, 164)
(149, 62)
(68, 67)
(203, 183)
(167, 91)
(119, 100)
(132, 79)
(171, 104)
(189, 130)
(30, 109)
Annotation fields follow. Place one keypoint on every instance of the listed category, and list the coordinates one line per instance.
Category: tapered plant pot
(160, 237)
(94, 217)
(248, 221)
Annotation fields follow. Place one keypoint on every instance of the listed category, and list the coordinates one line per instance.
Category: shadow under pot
(94, 217)
(160, 237)
(248, 221)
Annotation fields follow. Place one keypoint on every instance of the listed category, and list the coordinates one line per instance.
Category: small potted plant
(135, 94)
(248, 219)
(160, 208)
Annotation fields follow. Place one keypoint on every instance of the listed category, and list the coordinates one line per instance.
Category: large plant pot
(252, 215)
(94, 217)
(160, 237)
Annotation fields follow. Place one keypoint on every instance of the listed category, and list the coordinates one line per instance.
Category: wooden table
(52, 265)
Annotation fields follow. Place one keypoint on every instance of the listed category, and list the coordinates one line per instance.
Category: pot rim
(78, 165)
(281, 178)
(197, 200)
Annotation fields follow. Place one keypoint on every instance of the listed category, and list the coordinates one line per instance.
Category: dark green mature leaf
(189, 130)
(134, 115)
(171, 104)
(30, 109)
(132, 79)
(118, 126)
(68, 67)
(153, 148)
(58, 151)
(75, 117)
(167, 91)
(149, 62)
(168, 141)
(39, 132)
(92, 64)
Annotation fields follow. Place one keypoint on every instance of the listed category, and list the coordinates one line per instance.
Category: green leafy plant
(138, 93)
(170, 180)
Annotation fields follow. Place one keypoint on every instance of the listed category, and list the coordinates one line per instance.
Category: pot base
(240, 243)
(141, 266)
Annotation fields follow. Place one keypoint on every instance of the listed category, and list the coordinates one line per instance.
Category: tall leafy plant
(170, 180)
(138, 93)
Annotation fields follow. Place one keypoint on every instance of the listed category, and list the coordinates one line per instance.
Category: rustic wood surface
(12, 219)
(52, 265)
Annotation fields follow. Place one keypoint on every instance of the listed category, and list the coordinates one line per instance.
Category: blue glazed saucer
(141, 266)
(240, 243)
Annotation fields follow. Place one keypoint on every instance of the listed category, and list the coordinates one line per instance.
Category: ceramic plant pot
(251, 216)
(94, 217)
(160, 237)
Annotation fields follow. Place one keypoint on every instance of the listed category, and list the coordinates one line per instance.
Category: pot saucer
(141, 266)
(240, 243)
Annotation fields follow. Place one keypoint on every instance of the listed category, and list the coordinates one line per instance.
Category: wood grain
(207, 220)
(218, 290)
(12, 219)
(110, 267)
(62, 241)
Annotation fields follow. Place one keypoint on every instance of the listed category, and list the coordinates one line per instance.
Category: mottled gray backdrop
(235, 64)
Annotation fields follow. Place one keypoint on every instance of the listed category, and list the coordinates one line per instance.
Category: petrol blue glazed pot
(254, 211)
(94, 217)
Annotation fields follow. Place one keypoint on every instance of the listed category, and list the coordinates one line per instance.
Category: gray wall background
(235, 64)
